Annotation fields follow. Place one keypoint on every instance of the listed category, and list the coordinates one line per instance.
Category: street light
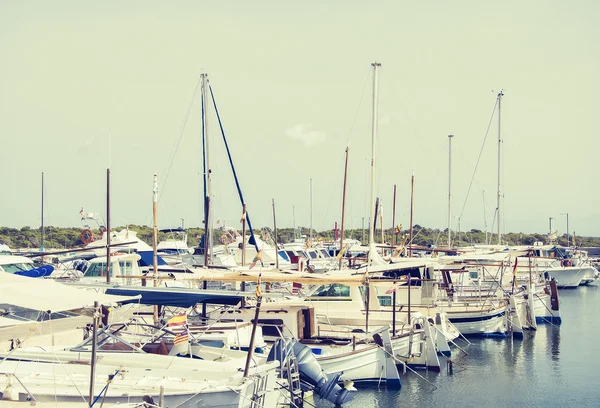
(568, 240)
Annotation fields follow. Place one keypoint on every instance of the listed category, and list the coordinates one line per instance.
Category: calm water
(557, 366)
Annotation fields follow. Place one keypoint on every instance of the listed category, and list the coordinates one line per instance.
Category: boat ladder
(289, 371)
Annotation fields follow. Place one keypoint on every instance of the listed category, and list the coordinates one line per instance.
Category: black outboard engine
(312, 375)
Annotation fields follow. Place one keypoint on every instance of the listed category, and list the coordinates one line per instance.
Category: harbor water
(555, 366)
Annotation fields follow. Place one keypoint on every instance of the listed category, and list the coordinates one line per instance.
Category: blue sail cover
(45, 270)
(147, 259)
(177, 297)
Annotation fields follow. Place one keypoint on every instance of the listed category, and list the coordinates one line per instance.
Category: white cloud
(385, 120)
(306, 134)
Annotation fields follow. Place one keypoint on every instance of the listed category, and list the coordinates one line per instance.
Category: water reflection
(553, 342)
(529, 372)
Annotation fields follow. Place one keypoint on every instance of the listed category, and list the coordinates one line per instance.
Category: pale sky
(89, 85)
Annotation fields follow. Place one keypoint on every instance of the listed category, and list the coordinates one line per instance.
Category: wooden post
(408, 283)
(93, 357)
(207, 235)
(275, 236)
(42, 231)
(155, 240)
(254, 324)
(243, 284)
(412, 195)
(394, 219)
(207, 246)
(394, 311)
(368, 300)
(107, 225)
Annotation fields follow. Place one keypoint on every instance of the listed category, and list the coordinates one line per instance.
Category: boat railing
(30, 396)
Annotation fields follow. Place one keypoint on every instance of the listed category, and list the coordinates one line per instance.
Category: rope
(235, 177)
(181, 130)
(479, 158)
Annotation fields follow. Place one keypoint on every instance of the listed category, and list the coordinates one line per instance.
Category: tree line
(71, 237)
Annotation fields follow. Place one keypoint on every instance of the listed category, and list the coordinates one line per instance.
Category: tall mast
(207, 174)
(394, 218)
(500, 95)
(42, 231)
(294, 219)
(108, 226)
(275, 236)
(412, 200)
(311, 211)
(375, 66)
(485, 218)
(344, 205)
(449, 188)
(155, 240)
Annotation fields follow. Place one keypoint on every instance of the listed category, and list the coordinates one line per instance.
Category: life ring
(566, 262)
(300, 264)
(87, 236)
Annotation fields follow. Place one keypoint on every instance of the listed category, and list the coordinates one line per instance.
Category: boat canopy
(51, 296)
(147, 259)
(178, 297)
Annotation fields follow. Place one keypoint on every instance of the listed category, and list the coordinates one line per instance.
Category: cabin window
(385, 300)
(324, 253)
(212, 343)
(332, 290)
(474, 275)
(284, 255)
(125, 267)
(271, 327)
(98, 269)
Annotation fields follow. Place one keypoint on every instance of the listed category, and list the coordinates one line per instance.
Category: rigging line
(412, 129)
(479, 158)
(335, 190)
(176, 147)
(237, 183)
(360, 102)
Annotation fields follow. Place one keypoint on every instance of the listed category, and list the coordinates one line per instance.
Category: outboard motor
(311, 373)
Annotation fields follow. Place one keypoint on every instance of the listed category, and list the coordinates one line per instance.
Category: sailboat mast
(500, 95)
(310, 242)
(155, 240)
(485, 218)
(294, 219)
(412, 197)
(108, 262)
(344, 205)
(394, 218)
(449, 189)
(42, 230)
(207, 174)
(375, 66)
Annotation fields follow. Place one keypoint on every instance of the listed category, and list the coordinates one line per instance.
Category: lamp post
(568, 240)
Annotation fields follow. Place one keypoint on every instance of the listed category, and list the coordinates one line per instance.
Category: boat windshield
(9, 311)
(17, 267)
(324, 253)
(332, 290)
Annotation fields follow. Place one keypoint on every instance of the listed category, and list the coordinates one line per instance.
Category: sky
(87, 86)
